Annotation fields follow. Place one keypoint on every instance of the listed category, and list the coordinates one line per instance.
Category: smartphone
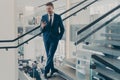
(44, 22)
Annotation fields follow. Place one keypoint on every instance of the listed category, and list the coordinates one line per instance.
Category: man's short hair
(50, 4)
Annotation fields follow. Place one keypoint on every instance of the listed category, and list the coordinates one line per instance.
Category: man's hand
(43, 24)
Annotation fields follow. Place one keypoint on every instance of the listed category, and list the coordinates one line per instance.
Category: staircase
(107, 66)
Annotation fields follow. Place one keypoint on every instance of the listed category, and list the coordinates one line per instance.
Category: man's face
(49, 9)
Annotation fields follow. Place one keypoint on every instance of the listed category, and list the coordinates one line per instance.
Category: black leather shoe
(47, 77)
(54, 71)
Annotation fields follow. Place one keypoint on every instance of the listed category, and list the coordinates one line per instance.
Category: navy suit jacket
(55, 31)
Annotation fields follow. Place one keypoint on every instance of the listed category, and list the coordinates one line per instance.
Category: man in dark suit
(53, 30)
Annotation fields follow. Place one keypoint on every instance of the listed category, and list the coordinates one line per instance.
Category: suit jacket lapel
(47, 19)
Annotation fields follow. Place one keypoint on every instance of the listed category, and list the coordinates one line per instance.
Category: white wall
(8, 59)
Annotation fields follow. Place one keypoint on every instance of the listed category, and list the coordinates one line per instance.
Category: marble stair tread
(67, 72)
(70, 62)
(103, 49)
(109, 62)
(113, 36)
(106, 72)
(107, 42)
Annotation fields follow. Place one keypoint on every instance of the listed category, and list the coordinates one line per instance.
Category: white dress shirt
(52, 17)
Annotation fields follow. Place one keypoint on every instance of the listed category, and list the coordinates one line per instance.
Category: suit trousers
(50, 47)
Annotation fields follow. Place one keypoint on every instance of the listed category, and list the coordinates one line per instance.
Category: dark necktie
(50, 22)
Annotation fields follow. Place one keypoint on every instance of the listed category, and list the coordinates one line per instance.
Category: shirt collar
(51, 14)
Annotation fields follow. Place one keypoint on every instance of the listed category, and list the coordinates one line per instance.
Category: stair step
(114, 29)
(96, 76)
(107, 42)
(110, 62)
(112, 35)
(23, 76)
(55, 77)
(71, 62)
(114, 24)
(67, 72)
(108, 73)
(106, 50)
(105, 77)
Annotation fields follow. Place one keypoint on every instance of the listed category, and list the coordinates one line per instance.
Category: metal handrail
(83, 8)
(3, 41)
(10, 47)
(20, 36)
(95, 30)
(99, 19)
(73, 7)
